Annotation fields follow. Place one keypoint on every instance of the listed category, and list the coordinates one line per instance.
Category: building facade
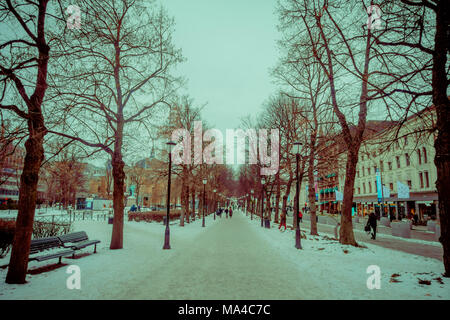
(389, 157)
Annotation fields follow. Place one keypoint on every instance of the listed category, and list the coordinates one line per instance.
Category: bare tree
(24, 58)
(422, 29)
(346, 53)
(124, 55)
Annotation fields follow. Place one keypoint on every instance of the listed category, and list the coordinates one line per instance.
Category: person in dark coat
(372, 222)
(231, 212)
(391, 216)
(226, 212)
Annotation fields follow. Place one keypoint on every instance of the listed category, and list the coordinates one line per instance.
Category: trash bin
(267, 223)
(110, 220)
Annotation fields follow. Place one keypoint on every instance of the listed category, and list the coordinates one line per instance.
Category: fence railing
(69, 216)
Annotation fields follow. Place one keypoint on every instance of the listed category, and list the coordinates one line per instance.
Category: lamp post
(298, 244)
(170, 145)
(203, 209)
(215, 209)
(263, 181)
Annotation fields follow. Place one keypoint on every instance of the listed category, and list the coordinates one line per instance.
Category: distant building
(400, 154)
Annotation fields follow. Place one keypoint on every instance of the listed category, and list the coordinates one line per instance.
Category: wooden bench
(77, 241)
(46, 244)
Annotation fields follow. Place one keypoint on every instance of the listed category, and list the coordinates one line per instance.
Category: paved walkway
(230, 260)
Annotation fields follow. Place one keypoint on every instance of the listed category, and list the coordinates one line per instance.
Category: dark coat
(372, 220)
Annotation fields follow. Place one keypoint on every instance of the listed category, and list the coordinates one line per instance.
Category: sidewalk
(418, 244)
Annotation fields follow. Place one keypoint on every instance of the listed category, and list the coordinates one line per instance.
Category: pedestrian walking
(282, 221)
(231, 212)
(226, 212)
(391, 216)
(372, 223)
(300, 215)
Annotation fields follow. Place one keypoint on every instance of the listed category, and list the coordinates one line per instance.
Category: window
(391, 186)
(427, 180)
(397, 158)
(368, 171)
(390, 165)
(357, 173)
(407, 159)
(421, 179)
(419, 157)
(424, 151)
(381, 166)
(406, 141)
(364, 187)
(370, 187)
(409, 184)
(359, 190)
(375, 170)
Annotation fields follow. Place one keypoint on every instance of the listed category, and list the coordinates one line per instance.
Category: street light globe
(251, 191)
(204, 181)
(263, 180)
(297, 146)
(214, 190)
(170, 145)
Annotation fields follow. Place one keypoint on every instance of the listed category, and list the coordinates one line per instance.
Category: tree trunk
(188, 211)
(193, 204)
(311, 188)
(183, 201)
(118, 197)
(442, 142)
(277, 198)
(34, 156)
(18, 263)
(286, 194)
(346, 235)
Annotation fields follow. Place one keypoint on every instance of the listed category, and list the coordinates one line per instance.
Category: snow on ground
(343, 269)
(230, 259)
(106, 271)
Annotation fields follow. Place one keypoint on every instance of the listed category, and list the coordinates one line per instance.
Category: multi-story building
(11, 168)
(401, 155)
(11, 165)
(397, 154)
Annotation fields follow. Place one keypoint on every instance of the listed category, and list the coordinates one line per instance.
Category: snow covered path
(229, 260)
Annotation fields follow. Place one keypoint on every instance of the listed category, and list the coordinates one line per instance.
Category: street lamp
(215, 209)
(170, 145)
(263, 182)
(298, 244)
(203, 209)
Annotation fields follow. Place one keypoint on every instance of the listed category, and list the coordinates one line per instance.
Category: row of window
(421, 156)
(423, 177)
(8, 192)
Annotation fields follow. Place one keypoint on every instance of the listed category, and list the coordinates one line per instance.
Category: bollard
(401, 229)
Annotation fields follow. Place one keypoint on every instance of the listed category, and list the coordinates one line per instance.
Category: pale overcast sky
(230, 47)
